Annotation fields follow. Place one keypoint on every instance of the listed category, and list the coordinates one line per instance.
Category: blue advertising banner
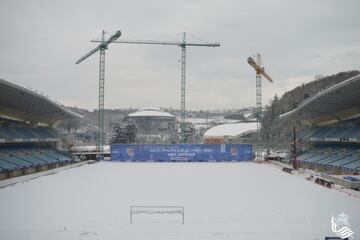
(181, 152)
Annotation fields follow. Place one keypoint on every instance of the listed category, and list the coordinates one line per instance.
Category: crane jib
(182, 44)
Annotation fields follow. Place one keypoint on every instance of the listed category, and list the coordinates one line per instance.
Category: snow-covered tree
(124, 132)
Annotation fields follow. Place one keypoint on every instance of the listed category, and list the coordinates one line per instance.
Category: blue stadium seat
(319, 133)
(308, 155)
(26, 133)
(42, 154)
(45, 158)
(343, 161)
(18, 161)
(307, 133)
(8, 166)
(347, 132)
(44, 133)
(33, 160)
(327, 132)
(333, 155)
(353, 165)
(355, 133)
(330, 159)
(8, 133)
(14, 157)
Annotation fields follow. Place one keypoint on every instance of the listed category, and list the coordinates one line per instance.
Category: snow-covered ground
(221, 200)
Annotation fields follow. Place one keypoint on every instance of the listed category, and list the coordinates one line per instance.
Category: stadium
(120, 199)
(332, 133)
(28, 142)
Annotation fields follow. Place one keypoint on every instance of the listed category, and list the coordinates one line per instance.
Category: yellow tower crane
(256, 63)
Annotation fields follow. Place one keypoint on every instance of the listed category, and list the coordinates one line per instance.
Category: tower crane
(256, 63)
(101, 48)
(182, 44)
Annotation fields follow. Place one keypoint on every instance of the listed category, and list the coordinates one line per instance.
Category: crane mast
(182, 44)
(101, 48)
(100, 133)
(183, 87)
(260, 71)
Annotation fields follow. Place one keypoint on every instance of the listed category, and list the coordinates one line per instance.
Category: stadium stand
(11, 131)
(333, 135)
(28, 142)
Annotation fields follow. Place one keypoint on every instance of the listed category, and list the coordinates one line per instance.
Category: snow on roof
(151, 112)
(230, 129)
(150, 108)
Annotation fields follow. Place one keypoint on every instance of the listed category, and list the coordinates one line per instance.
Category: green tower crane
(182, 44)
(101, 48)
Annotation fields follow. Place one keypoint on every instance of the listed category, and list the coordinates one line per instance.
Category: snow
(206, 121)
(221, 200)
(90, 148)
(231, 129)
(151, 112)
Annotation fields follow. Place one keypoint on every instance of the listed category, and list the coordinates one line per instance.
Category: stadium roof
(151, 112)
(22, 104)
(231, 130)
(336, 103)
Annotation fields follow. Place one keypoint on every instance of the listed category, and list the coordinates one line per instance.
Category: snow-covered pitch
(221, 201)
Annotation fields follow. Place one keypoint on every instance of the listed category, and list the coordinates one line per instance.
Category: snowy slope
(221, 200)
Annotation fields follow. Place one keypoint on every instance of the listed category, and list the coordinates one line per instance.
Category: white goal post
(157, 210)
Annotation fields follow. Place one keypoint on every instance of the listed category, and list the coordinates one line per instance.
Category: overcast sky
(41, 40)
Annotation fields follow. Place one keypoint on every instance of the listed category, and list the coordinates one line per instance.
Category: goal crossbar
(151, 210)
